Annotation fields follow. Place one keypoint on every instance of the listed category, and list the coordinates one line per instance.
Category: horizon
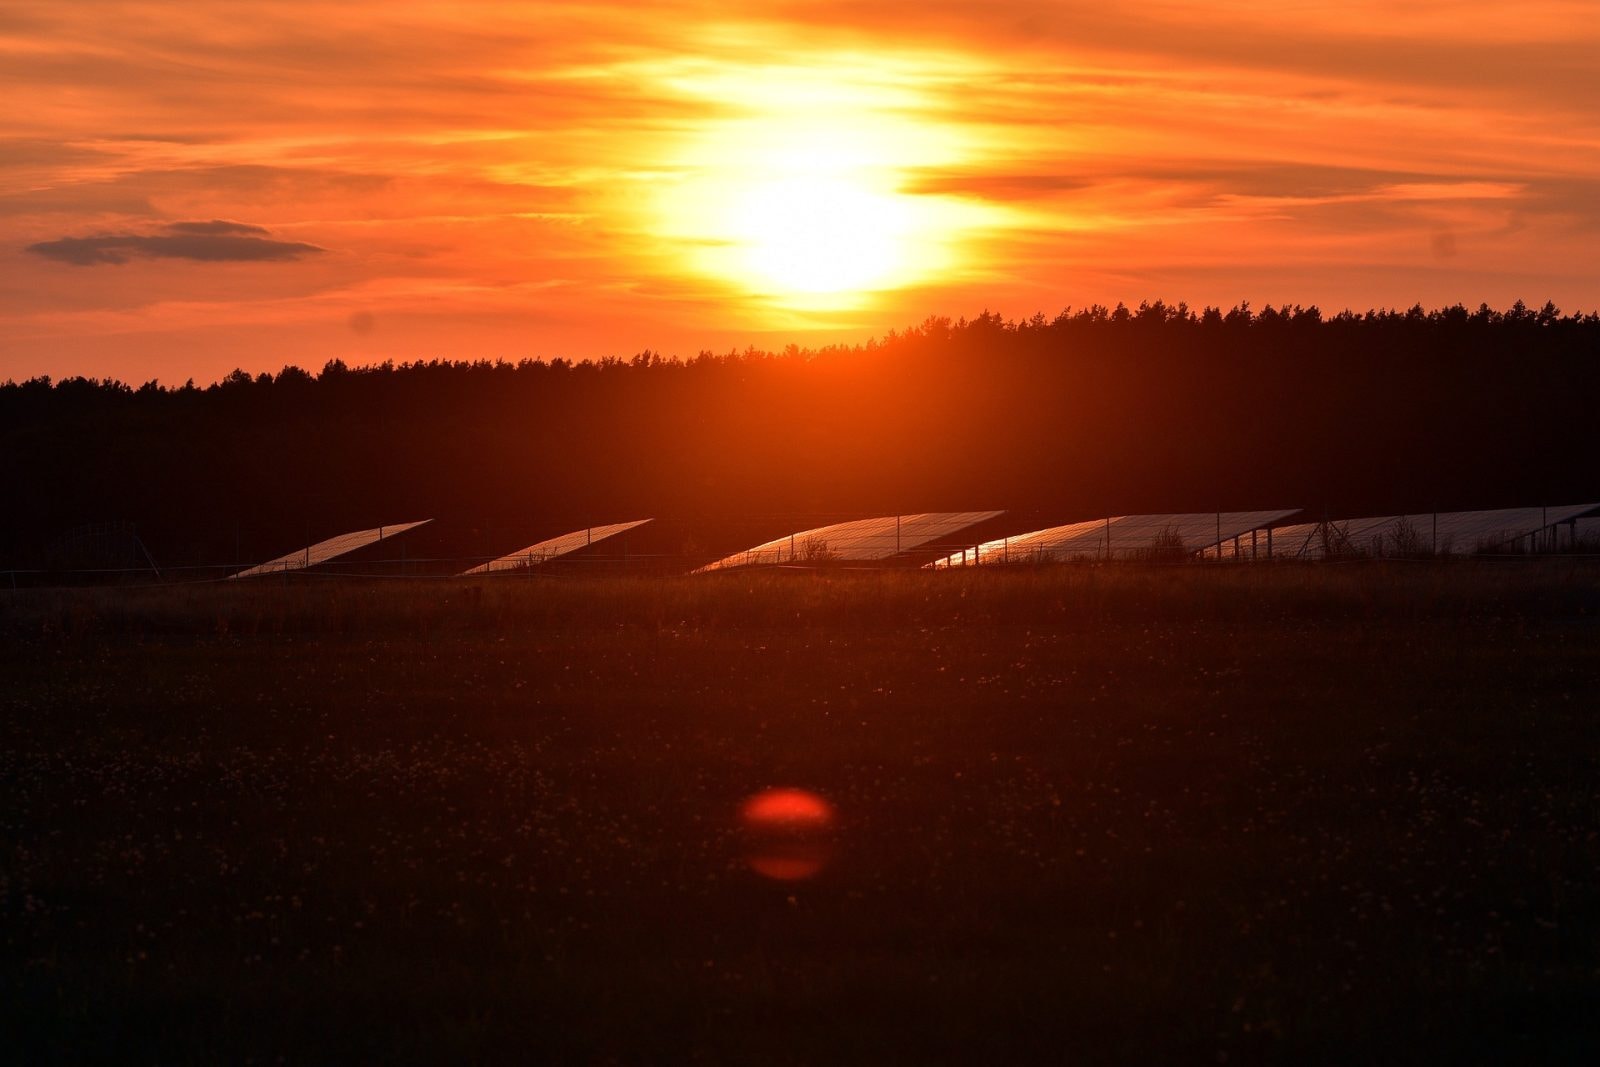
(1174, 312)
(186, 192)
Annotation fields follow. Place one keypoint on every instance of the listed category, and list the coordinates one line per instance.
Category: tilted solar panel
(860, 540)
(554, 547)
(1057, 542)
(1128, 537)
(1442, 533)
(332, 548)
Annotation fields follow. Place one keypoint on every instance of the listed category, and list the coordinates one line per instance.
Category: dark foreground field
(1182, 815)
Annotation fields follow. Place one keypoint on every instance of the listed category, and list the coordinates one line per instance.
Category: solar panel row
(1176, 536)
(1442, 533)
(554, 547)
(332, 548)
(861, 540)
(1126, 537)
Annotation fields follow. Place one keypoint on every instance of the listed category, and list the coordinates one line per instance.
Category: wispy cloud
(217, 241)
(216, 227)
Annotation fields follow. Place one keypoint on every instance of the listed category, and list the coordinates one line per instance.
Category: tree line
(1095, 411)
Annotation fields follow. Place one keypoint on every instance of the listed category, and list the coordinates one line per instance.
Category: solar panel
(332, 548)
(550, 549)
(1131, 537)
(860, 540)
(1433, 533)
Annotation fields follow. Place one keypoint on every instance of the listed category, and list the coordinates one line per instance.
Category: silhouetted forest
(1097, 411)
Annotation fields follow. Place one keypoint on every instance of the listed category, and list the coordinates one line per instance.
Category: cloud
(216, 241)
(98, 199)
(20, 152)
(218, 226)
(997, 186)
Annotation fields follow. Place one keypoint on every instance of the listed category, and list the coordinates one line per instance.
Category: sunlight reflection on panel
(554, 547)
(788, 833)
(1154, 538)
(1442, 533)
(861, 540)
(323, 551)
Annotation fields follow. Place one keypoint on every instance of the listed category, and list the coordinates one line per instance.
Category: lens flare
(788, 833)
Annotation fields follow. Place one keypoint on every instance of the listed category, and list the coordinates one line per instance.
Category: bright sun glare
(804, 196)
(820, 235)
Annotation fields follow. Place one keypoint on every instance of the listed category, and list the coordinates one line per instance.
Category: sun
(812, 218)
(801, 186)
(821, 234)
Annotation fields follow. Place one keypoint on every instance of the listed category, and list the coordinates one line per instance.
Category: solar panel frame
(856, 541)
(1123, 537)
(542, 552)
(329, 549)
(1444, 533)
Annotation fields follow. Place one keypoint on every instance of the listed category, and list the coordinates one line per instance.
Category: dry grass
(1064, 595)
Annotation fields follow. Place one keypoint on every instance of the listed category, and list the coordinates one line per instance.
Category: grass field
(1201, 814)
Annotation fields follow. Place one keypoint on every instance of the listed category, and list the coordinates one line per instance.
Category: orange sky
(187, 187)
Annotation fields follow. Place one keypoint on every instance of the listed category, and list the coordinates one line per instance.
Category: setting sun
(821, 235)
(815, 214)
(804, 194)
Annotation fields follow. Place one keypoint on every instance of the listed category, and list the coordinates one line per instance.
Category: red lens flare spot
(787, 833)
(787, 809)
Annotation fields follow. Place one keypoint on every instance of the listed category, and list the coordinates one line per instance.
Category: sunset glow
(820, 234)
(799, 198)
(492, 180)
